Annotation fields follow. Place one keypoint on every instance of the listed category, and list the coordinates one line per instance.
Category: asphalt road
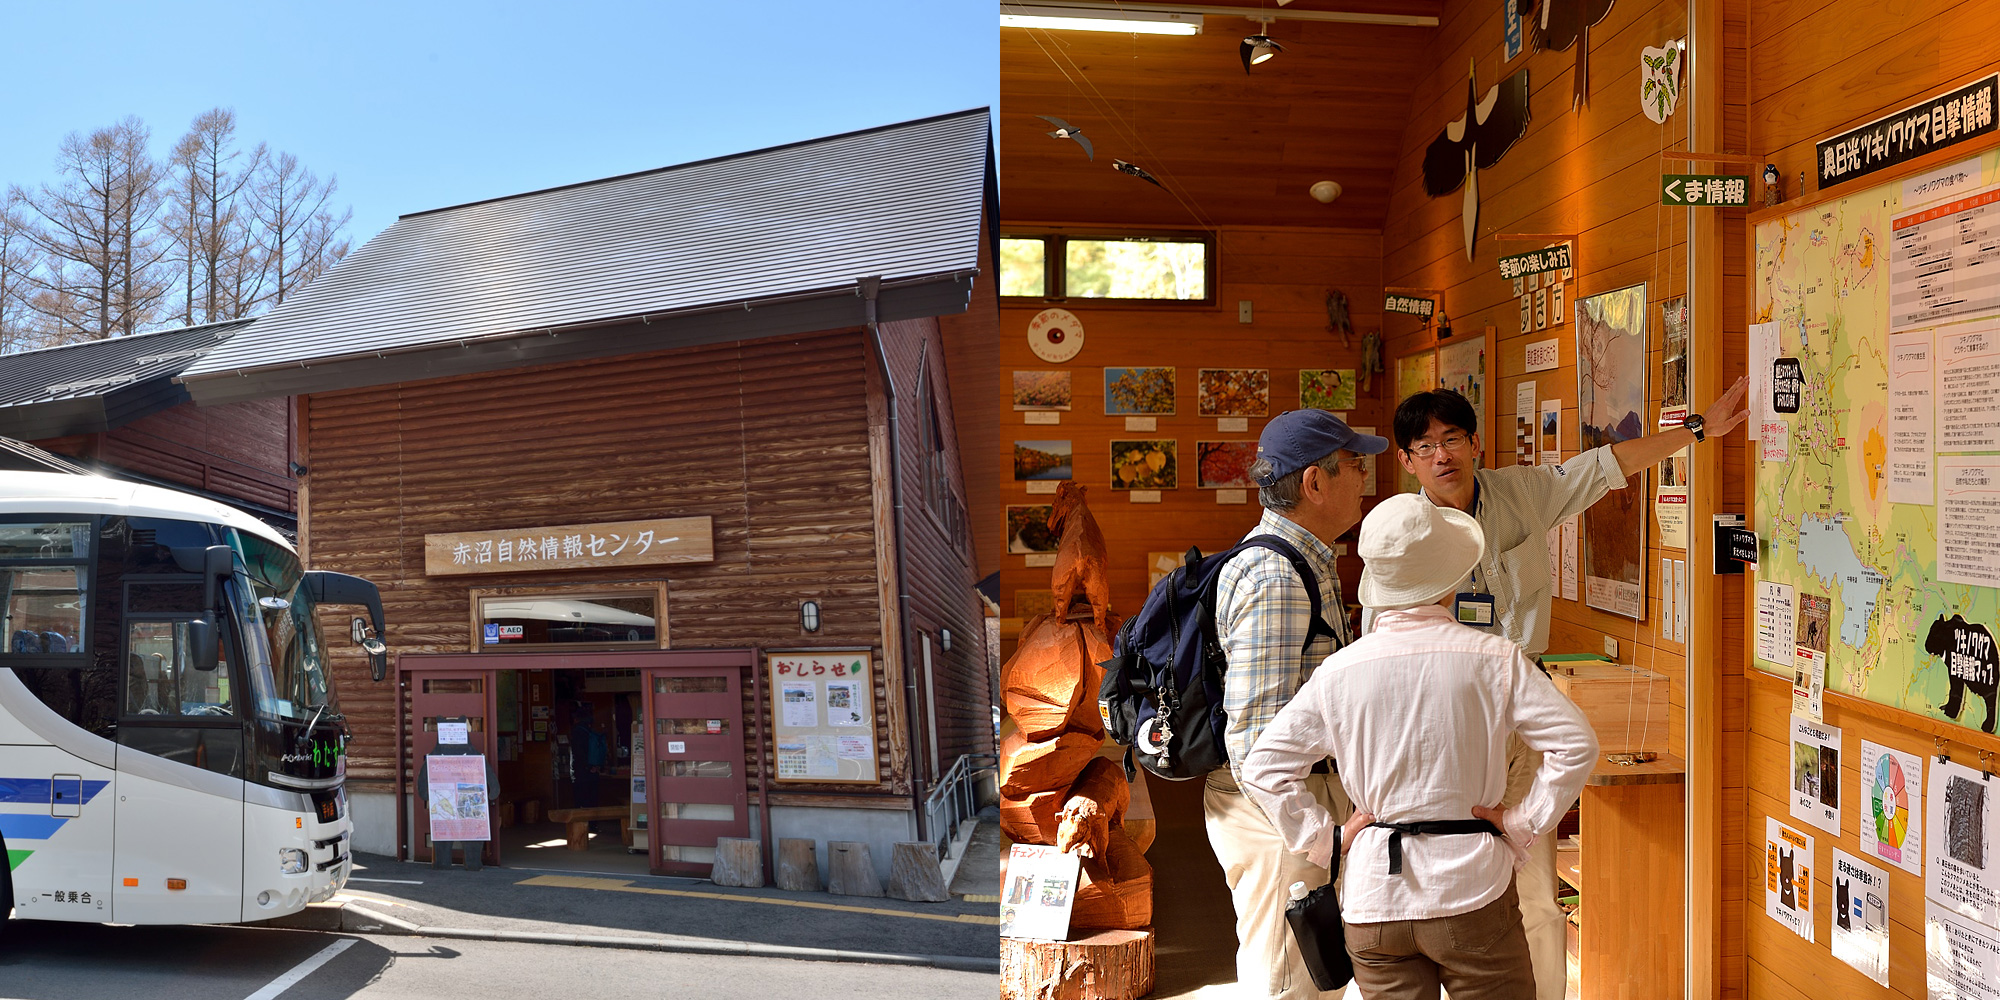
(49, 961)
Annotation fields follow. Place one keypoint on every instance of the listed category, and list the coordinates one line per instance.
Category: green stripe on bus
(14, 858)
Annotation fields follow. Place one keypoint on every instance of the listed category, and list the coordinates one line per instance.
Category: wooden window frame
(478, 596)
(1055, 242)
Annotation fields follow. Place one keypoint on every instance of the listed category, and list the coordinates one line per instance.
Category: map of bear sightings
(1967, 651)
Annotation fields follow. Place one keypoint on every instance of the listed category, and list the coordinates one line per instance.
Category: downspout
(870, 289)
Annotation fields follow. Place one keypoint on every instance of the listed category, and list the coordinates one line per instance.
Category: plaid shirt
(1262, 613)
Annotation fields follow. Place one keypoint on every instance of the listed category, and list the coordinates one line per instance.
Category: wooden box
(1626, 705)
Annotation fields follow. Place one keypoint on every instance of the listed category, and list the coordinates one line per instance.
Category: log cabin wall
(1815, 70)
(242, 450)
(972, 361)
(1285, 274)
(713, 430)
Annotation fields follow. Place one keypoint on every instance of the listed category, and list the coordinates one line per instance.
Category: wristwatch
(1693, 422)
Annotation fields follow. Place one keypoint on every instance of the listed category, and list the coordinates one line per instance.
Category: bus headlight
(291, 861)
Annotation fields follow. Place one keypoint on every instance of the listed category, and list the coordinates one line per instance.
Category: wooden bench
(578, 822)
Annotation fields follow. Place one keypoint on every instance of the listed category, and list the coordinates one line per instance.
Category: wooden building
(607, 448)
(1672, 874)
(113, 407)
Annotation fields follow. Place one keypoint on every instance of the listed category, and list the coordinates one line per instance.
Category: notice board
(823, 715)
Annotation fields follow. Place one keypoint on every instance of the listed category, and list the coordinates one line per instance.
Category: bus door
(446, 694)
(181, 762)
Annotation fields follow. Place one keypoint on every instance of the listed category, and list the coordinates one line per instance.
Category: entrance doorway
(621, 762)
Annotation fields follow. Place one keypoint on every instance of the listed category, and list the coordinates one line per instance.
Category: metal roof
(96, 385)
(757, 244)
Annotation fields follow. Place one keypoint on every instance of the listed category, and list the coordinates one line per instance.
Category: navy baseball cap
(1295, 439)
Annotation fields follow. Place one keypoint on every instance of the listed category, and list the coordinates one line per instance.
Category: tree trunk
(1107, 965)
(798, 864)
(850, 870)
(915, 875)
(737, 862)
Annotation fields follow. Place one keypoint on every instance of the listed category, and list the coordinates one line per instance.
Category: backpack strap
(1318, 625)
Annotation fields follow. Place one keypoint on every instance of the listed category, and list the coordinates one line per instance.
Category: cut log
(1115, 891)
(914, 873)
(1027, 767)
(1104, 965)
(850, 871)
(1031, 819)
(798, 864)
(1096, 805)
(737, 862)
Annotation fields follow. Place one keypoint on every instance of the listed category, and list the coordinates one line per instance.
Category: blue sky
(420, 105)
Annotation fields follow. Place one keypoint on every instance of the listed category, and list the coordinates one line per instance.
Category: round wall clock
(1055, 335)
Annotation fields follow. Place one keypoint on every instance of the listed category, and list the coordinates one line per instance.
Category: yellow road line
(973, 897)
(622, 885)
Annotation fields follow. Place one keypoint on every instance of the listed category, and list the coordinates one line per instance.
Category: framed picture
(1144, 465)
(1611, 406)
(1233, 392)
(1042, 390)
(1041, 460)
(1326, 389)
(1465, 367)
(1138, 392)
(1414, 373)
(1224, 465)
(1028, 528)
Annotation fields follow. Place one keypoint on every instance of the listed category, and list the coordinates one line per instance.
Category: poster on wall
(1525, 416)
(1036, 461)
(1611, 401)
(1551, 431)
(1892, 784)
(1233, 392)
(1670, 500)
(1042, 390)
(823, 715)
(456, 784)
(1139, 392)
(1462, 369)
(1861, 915)
(1673, 362)
(1961, 957)
(1816, 774)
(1326, 389)
(1961, 871)
(1788, 884)
(1414, 374)
(1224, 465)
(1809, 656)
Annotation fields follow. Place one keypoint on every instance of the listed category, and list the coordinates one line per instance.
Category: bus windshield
(287, 668)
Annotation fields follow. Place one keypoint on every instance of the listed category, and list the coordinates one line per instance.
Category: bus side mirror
(202, 647)
(337, 589)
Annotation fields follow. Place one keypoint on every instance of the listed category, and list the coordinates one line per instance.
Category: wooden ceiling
(1232, 149)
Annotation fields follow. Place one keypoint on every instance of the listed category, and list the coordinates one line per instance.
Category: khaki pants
(1541, 919)
(1482, 955)
(1260, 871)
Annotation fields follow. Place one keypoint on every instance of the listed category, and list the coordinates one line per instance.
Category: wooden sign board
(823, 715)
(571, 546)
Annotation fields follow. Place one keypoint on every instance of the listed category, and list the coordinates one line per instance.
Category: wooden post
(737, 862)
(914, 873)
(849, 869)
(798, 864)
(1107, 965)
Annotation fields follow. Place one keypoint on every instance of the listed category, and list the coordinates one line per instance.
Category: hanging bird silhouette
(1477, 140)
(1256, 44)
(1565, 23)
(1065, 130)
(1136, 171)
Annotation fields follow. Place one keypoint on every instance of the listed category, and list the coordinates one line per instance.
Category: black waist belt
(1448, 826)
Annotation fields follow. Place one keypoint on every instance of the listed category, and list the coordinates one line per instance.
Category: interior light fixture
(1260, 48)
(1080, 18)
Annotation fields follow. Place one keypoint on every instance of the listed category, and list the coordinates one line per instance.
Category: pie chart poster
(1892, 806)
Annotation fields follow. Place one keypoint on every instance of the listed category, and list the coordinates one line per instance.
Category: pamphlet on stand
(1037, 891)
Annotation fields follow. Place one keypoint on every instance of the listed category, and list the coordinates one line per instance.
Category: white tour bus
(171, 749)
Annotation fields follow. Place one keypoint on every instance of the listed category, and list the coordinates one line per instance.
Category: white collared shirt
(1417, 713)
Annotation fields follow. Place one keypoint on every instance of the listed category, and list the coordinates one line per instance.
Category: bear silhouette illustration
(1787, 880)
(1968, 654)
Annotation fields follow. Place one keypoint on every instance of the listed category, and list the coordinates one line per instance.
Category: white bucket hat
(1415, 552)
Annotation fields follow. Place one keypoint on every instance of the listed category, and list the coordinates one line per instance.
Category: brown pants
(1482, 955)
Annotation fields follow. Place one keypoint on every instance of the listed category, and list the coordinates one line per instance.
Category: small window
(160, 678)
(1111, 267)
(629, 619)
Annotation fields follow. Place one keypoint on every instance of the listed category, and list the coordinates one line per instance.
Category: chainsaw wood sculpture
(1056, 790)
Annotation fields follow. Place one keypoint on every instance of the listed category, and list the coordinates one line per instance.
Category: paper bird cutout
(1565, 23)
(1065, 130)
(1251, 44)
(1136, 171)
(1477, 140)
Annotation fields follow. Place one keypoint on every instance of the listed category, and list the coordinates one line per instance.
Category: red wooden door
(444, 694)
(697, 786)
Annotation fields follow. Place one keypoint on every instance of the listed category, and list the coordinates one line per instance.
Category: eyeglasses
(1451, 442)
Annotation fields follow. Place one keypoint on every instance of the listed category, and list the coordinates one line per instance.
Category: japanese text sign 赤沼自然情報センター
(571, 546)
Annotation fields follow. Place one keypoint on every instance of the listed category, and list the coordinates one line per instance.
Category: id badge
(1475, 610)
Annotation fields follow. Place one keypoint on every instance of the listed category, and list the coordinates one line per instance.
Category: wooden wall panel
(241, 450)
(686, 432)
(972, 361)
(1285, 275)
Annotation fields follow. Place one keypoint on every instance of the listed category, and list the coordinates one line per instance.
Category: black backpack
(1162, 692)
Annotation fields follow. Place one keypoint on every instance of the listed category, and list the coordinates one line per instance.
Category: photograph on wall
(1960, 869)
(1611, 403)
(1138, 392)
(1224, 465)
(1144, 465)
(1462, 369)
(1041, 460)
(1816, 774)
(1368, 474)
(1414, 373)
(1892, 788)
(1233, 392)
(1042, 390)
(1551, 431)
(1788, 884)
(1809, 655)
(1326, 389)
(1861, 915)
(1028, 529)
(1673, 362)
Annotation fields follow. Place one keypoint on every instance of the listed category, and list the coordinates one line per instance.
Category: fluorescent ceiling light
(1144, 22)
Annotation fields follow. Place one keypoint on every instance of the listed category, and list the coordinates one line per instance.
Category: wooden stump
(914, 873)
(1106, 965)
(737, 862)
(798, 864)
(849, 869)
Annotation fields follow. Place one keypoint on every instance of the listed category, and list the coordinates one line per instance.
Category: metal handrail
(955, 797)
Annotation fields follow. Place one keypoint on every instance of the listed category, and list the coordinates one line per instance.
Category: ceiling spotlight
(1260, 47)
(1326, 191)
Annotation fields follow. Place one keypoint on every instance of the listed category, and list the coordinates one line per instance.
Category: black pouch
(1321, 936)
